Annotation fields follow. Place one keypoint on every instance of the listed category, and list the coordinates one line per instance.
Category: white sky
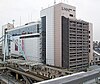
(29, 10)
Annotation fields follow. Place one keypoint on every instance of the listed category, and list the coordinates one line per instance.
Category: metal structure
(6, 38)
(91, 77)
(30, 71)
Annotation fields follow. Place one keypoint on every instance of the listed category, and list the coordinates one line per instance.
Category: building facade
(25, 41)
(75, 44)
(4, 29)
(59, 39)
(51, 31)
(90, 43)
(65, 40)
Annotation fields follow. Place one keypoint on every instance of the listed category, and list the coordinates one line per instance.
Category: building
(96, 52)
(60, 39)
(4, 29)
(96, 58)
(7, 27)
(30, 45)
(65, 40)
(96, 46)
(28, 28)
(25, 41)
(51, 31)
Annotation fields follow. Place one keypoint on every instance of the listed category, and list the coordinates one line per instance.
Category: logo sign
(66, 9)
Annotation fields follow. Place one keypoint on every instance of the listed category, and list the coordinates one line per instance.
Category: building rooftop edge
(22, 26)
(57, 4)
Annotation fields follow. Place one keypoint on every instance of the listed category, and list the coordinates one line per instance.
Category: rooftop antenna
(31, 16)
(41, 8)
(54, 2)
(67, 1)
(48, 5)
(20, 20)
(13, 21)
(62, 1)
(28, 17)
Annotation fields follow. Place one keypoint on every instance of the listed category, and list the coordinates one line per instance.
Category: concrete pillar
(27, 82)
(16, 76)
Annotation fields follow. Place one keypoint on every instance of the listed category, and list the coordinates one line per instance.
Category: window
(70, 9)
(89, 46)
(16, 47)
(95, 58)
(71, 15)
(89, 50)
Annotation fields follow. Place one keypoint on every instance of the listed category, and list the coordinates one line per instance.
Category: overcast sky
(29, 10)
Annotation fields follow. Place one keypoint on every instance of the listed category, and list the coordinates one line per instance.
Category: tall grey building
(65, 40)
(75, 44)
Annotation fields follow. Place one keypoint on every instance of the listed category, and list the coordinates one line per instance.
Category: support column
(16, 76)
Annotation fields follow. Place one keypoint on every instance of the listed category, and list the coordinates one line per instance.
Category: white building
(65, 40)
(51, 20)
(26, 41)
(28, 44)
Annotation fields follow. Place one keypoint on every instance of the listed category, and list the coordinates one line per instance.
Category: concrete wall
(60, 10)
(54, 31)
(12, 46)
(91, 42)
(30, 47)
(49, 13)
(4, 27)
